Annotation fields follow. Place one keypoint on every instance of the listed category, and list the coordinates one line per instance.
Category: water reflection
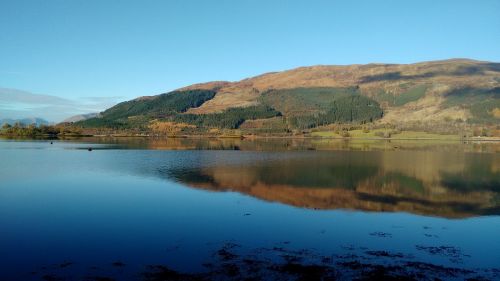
(433, 183)
(280, 144)
(431, 178)
(111, 213)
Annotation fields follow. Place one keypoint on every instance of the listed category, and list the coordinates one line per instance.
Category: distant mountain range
(25, 121)
(453, 91)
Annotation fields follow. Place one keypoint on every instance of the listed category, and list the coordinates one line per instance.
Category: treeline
(103, 122)
(20, 130)
(410, 95)
(486, 112)
(307, 108)
(138, 112)
(164, 104)
(483, 103)
(351, 109)
(231, 118)
(304, 101)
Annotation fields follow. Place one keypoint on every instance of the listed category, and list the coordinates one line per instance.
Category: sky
(90, 54)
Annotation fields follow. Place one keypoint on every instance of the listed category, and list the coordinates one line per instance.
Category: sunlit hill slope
(459, 92)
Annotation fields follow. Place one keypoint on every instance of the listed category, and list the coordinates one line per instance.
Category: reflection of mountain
(449, 180)
(432, 183)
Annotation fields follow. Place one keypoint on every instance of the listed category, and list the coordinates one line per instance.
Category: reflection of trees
(445, 182)
(286, 144)
(342, 171)
(478, 175)
(359, 180)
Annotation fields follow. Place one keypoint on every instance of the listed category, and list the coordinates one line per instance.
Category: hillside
(80, 117)
(457, 91)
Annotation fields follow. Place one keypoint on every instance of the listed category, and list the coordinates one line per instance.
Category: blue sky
(99, 52)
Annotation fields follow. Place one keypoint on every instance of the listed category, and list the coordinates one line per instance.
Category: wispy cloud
(16, 103)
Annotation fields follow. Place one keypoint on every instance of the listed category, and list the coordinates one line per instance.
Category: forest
(300, 108)
(231, 118)
(20, 130)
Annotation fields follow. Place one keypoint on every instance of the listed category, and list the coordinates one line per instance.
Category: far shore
(320, 135)
(263, 137)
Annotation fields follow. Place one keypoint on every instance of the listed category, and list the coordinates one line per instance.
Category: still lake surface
(154, 209)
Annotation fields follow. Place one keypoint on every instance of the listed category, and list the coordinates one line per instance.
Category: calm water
(232, 208)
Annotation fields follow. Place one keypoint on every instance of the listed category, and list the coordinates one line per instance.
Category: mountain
(456, 91)
(25, 121)
(80, 117)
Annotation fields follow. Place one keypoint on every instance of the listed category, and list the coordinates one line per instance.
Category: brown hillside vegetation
(379, 81)
(458, 97)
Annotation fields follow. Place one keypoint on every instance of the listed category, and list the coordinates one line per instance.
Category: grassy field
(376, 132)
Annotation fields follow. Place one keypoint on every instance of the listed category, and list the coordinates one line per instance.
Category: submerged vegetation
(233, 261)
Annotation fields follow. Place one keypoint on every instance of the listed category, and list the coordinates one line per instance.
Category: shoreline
(260, 137)
(474, 139)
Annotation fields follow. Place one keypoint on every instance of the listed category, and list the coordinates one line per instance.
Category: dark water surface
(183, 209)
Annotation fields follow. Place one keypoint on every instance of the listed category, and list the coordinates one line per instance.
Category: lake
(229, 209)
